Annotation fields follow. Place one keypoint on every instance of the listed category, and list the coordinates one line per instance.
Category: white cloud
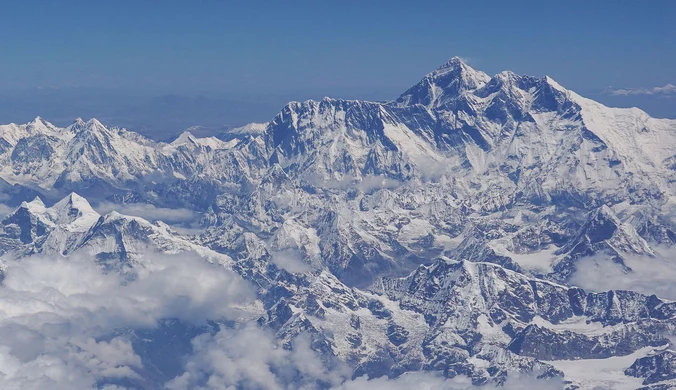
(148, 211)
(468, 60)
(666, 90)
(5, 210)
(650, 275)
(57, 314)
(251, 358)
(365, 184)
(290, 260)
(432, 381)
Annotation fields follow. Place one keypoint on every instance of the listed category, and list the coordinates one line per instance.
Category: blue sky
(284, 45)
(301, 49)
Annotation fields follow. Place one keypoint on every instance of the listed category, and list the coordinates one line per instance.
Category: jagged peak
(73, 213)
(507, 76)
(35, 206)
(92, 125)
(505, 80)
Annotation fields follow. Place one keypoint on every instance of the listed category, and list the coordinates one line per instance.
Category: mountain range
(446, 231)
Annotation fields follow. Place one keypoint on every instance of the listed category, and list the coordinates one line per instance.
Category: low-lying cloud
(364, 184)
(667, 90)
(5, 210)
(433, 381)
(649, 275)
(290, 260)
(58, 315)
(148, 211)
(250, 358)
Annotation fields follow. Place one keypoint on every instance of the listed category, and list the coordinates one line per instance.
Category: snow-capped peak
(73, 200)
(35, 206)
(185, 137)
(443, 84)
(73, 211)
(554, 84)
(453, 63)
(250, 128)
(39, 125)
(37, 121)
(94, 123)
(77, 125)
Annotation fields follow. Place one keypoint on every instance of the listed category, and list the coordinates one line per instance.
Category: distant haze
(160, 116)
(164, 116)
(160, 68)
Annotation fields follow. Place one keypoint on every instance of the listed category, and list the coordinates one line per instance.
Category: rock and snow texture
(440, 231)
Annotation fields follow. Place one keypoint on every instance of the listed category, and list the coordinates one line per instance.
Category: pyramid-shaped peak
(75, 200)
(444, 84)
(94, 123)
(37, 120)
(455, 62)
(185, 137)
(37, 201)
(40, 124)
(74, 210)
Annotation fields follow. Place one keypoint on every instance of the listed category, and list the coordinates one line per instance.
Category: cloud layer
(58, 315)
(250, 358)
(148, 211)
(650, 275)
(667, 90)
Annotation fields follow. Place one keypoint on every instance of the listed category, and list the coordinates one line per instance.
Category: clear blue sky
(280, 46)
